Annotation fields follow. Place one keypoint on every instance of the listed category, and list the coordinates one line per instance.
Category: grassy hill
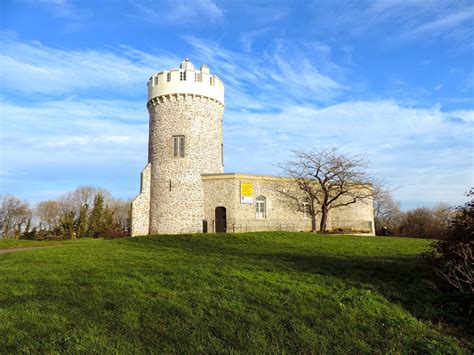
(256, 292)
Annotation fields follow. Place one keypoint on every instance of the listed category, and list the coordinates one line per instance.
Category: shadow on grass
(400, 279)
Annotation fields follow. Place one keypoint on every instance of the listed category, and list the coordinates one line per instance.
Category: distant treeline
(93, 212)
(421, 222)
(84, 212)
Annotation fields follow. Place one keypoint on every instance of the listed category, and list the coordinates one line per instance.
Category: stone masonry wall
(355, 218)
(141, 205)
(224, 190)
(176, 194)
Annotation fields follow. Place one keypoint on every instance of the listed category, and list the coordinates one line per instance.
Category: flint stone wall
(176, 194)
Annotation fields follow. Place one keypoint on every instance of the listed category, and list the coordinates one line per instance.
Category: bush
(423, 222)
(452, 259)
(114, 234)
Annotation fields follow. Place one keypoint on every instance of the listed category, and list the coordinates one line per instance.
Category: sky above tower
(390, 79)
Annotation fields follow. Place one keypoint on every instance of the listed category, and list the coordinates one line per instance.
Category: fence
(341, 226)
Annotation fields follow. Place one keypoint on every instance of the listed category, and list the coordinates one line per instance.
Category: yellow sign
(246, 189)
(246, 192)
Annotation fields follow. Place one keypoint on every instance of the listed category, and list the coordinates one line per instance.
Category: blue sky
(390, 79)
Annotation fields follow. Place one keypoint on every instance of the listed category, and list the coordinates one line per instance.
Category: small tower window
(305, 206)
(168, 76)
(182, 76)
(197, 77)
(211, 81)
(178, 146)
(260, 207)
(155, 80)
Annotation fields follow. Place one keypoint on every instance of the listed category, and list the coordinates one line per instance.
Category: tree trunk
(313, 222)
(324, 219)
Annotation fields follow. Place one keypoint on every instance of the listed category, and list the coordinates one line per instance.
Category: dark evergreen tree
(109, 220)
(67, 224)
(96, 221)
(82, 221)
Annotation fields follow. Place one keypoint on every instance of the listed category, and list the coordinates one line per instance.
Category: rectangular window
(212, 80)
(305, 207)
(260, 207)
(182, 76)
(168, 76)
(155, 80)
(178, 146)
(197, 77)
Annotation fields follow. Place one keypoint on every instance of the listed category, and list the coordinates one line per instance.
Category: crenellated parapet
(185, 82)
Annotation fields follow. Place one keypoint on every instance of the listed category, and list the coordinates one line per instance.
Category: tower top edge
(186, 65)
(188, 80)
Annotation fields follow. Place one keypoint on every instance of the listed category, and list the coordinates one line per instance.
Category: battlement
(186, 80)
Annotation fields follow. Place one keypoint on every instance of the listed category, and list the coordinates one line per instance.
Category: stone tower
(185, 107)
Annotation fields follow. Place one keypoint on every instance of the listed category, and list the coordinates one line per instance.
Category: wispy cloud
(247, 38)
(397, 21)
(67, 143)
(180, 12)
(413, 148)
(282, 75)
(455, 24)
(59, 8)
(94, 123)
(33, 68)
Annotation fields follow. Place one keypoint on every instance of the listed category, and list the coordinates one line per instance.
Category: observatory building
(184, 188)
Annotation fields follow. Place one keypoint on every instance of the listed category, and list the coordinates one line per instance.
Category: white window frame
(179, 146)
(305, 206)
(260, 207)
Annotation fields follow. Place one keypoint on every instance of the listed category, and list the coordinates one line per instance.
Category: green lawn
(256, 292)
(11, 243)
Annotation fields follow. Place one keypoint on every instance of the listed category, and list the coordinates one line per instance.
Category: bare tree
(49, 214)
(327, 179)
(73, 201)
(122, 212)
(452, 258)
(15, 216)
(387, 213)
(424, 222)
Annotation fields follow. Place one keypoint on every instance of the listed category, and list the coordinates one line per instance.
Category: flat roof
(244, 176)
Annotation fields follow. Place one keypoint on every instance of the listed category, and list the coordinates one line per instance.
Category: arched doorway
(221, 220)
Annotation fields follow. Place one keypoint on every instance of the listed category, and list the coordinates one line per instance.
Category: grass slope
(13, 244)
(256, 292)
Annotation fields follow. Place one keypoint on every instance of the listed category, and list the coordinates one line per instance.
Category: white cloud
(73, 128)
(279, 77)
(180, 12)
(33, 68)
(446, 22)
(247, 38)
(397, 21)
(422, 151)
(277, 100)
